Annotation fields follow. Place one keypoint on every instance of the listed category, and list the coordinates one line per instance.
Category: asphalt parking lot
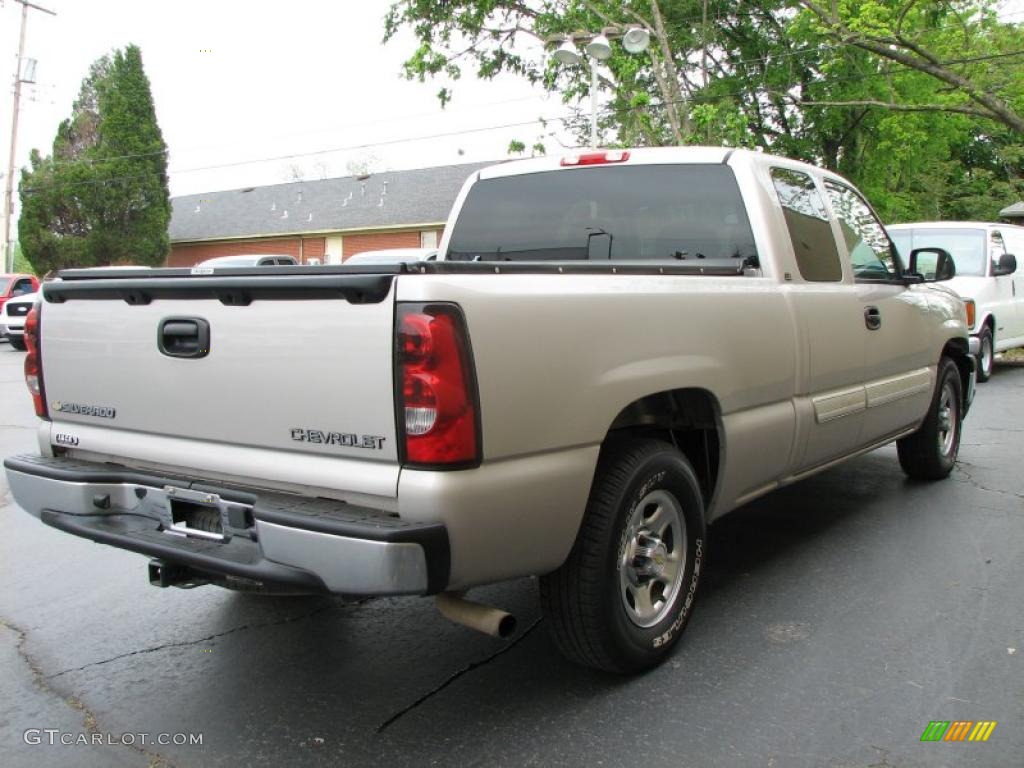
(839, 617)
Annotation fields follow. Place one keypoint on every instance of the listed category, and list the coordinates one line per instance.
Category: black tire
(18, 344)
(986, 354)
(930, 453)
(587, 600)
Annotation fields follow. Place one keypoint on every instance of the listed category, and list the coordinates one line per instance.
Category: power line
(764, 59)
(346, 126)
(564, 119)
(767, 59)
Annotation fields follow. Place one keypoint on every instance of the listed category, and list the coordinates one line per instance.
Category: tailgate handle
(184, 337)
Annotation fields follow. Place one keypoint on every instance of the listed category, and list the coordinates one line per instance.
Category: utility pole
(9, 193)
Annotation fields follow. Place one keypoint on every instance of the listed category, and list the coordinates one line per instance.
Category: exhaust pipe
(483, 618)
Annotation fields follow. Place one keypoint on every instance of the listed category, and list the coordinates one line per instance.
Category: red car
(16, 285)
(12, 286)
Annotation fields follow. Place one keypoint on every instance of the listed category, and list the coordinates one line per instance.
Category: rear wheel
(624, 595)
(930, 453)
(18, 344)
(986, 354)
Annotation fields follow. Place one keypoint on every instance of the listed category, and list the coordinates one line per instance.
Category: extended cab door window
(869, 248)
(814, 245)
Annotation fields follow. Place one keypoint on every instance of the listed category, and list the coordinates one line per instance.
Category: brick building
(323, 221)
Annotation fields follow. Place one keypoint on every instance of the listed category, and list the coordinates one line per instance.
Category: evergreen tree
(101, 197)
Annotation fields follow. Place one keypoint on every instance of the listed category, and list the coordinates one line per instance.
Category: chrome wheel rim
(948, 418)
(986, 355)
(653, 558)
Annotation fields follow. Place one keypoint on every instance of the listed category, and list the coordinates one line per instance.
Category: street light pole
(598, 49)
(9, 191)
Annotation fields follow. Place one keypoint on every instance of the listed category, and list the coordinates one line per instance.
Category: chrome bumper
(274, 539)
(974, 345)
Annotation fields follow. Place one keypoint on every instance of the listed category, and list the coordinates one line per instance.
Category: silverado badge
(101, 411)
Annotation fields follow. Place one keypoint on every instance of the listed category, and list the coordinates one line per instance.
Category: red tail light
(34, 363)
(438, 413)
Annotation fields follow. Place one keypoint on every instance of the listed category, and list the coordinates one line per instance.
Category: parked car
(987, 278)
(253, 260)
(12, 318)
(393, 256)
(618, 348)
(16, 285)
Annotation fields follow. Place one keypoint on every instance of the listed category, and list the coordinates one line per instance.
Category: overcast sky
(237, 80)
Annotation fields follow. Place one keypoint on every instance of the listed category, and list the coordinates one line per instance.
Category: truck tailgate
(301, 375)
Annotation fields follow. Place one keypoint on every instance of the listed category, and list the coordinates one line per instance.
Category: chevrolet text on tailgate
(613, 350)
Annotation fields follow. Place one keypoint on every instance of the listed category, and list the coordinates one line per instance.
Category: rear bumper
(974, 345)
(277, 540)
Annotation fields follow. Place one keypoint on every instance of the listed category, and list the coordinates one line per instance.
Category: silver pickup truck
(615, 349)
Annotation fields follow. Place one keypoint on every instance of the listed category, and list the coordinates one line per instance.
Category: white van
(986, 277)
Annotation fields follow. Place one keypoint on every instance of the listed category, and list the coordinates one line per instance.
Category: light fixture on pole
(567, 55)
(635, 40)
(599, 48)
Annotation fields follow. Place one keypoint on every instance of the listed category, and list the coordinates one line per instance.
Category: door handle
(872, 318)
(187, 337)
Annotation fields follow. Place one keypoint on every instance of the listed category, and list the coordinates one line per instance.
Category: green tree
(21, 264)
(918, 102)
(101, 196)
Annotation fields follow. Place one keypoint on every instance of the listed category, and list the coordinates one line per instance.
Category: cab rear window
(677, 213)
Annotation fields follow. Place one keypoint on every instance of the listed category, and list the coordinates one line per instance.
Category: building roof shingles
(413, 197)
(1015, 211)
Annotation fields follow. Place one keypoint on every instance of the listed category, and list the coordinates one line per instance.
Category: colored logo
(958, 730)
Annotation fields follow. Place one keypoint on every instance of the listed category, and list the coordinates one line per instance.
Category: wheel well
(958, 351)
(687, 418)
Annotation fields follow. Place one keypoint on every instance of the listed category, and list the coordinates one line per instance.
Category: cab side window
(869, 248)
(817, 257)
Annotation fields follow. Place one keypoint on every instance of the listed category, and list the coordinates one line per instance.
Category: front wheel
(624, 595)
(930, 453)
(18, 344)
(986, 354)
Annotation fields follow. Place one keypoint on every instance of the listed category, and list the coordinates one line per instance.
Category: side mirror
(1006, 265)
(931, 265)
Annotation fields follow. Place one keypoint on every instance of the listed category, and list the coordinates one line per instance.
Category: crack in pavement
(974, 483)
(455, 676)
(183, 643)
(89, 720)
